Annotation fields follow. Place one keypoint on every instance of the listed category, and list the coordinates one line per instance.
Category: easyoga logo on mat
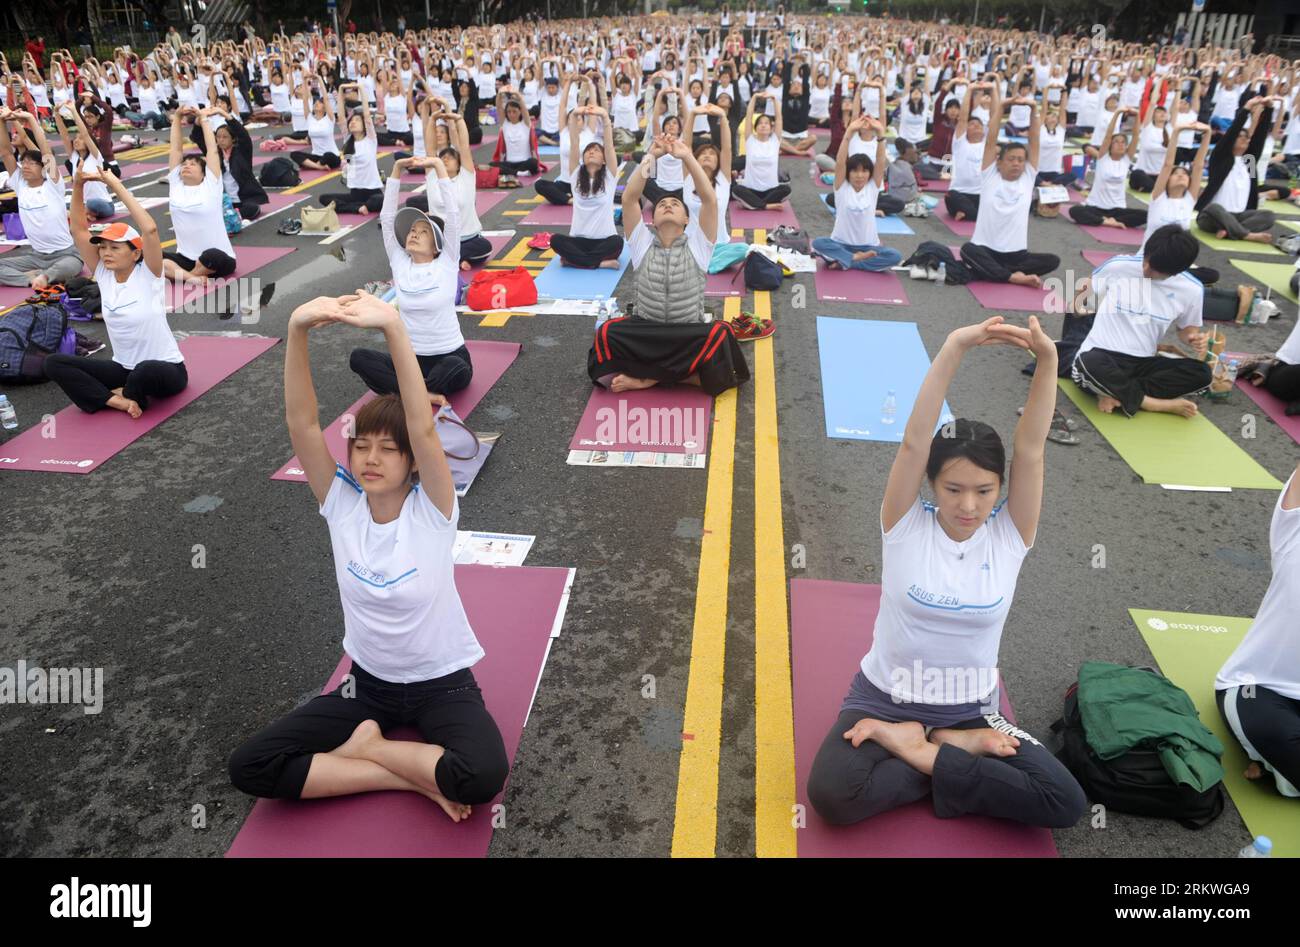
(1159, 624)
(650, 427)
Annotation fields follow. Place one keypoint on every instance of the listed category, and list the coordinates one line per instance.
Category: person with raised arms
(127, 263)
(84, 153)
(323, 151)
(365, 192)
(203, 249)
(1106, 203)
(1229, 203)
(947, 584)
(1258, 687)
(392, 513)
(38, 185)
(592, 240)
(969, 145)
(1173, 197)
(854, 243)
(759, 186)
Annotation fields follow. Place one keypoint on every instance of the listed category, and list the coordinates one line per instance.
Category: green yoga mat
(1276, 276)
(1281, 208)
(1190, 649)
(1235, 246)
(1175, 451)
(1143, 198)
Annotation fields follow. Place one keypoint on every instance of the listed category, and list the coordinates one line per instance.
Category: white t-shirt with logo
(722, 187)
(593, 214)
(1003, 222)
(1134, 312)
(1269, 655)
(135, 314)
(402, 616)
(197, 216)
(942, 603)
(855, 215)
(426, 292)
(1109, 180)
(363, 167)
(43, 213)
(1169, 210)
(1234, 192)
(967, 165)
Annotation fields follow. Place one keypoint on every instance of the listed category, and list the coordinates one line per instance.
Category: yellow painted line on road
(515, 213)
(774, 780)
(695, 825)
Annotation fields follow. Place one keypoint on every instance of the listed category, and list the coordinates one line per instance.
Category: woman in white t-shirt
(365, 194)
(1051, 149)
(968, 138)
(458, 159)
(819, 101)
(127, 263)
(1173, 198)
(322, 152)
(1258, 687)
(854, 244)
(759, 186)
(715, 160)
(203, 249)
(397, 115)
(1106, 204)
(913, 116)
(922, 716)
(405, 628)
(592, 172)
(1152, 142)
(39, 188)
(84, 153)
(516, 147)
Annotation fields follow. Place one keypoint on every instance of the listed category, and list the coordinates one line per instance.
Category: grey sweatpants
(57, 267)
(847, 785)
(1214, 218)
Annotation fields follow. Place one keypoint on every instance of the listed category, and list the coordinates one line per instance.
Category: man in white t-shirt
(1138, 298)
(51, 256)
(998, 252)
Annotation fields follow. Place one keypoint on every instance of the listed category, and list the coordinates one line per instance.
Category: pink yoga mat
(1010, 296)
(962, 228)
(512, 611)
(938, 186)
(1098, 257)
(831, 626)
(727, 283)
(1128, 236)
(140, 169)
(859, 286)
(762, 219)
(1273, 406)
(247, 261)
(667, 419)
(484, 201)
(491, 359)
(550, 215)
(279, 200)
(13, 295)
(84, 441)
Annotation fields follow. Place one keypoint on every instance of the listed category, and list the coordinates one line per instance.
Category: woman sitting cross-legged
(854, 243)
(592, 240)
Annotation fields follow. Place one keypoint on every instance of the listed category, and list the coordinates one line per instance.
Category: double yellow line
(696, 822)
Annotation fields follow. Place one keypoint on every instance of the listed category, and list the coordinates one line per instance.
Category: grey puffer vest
(670, 284)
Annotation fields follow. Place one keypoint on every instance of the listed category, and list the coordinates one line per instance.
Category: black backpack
(279, 172)
(1136, 782)
(28, 333)
(761, 272)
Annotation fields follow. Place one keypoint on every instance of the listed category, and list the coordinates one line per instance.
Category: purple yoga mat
(1012, 297)
(484, 201)
(13, 295)
(1098, 257)
(279, 200)
(550, 215)
(962, 228)
(680, 415)
(490, 359)
(141, 168)
(859, 286)
(1271, 405)
(937, 187)
(730, 282)
(761, 219)
(1128, 236)
(512, 611)
(831, 626)
(84, 441)
(247, 261)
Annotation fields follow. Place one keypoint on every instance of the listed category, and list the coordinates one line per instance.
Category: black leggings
(986, 264)
(516, 167)
(449, 711)
(586, 252)
(751, 197)
(1141, 181)
(555, 192)
(331, 161)
(1131, 378)
(394, 138)
(443, 374)
(959, 202)
(1283, 382)
(654, 193)
(1270, 724)
(849, 784)
(89, 382)
(371, 198)
(1093, 216)
(249, 210)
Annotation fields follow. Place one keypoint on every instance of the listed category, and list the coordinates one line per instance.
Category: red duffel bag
(501, 289)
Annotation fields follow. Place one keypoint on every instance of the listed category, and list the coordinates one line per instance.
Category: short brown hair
(384, 417)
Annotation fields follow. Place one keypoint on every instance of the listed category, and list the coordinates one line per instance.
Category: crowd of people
(702, 113)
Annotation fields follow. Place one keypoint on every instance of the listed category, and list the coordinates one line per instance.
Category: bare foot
(1254, 771)
(122, 403)
(1106, 404)
(1221, 235)
(609, 264)
(960, 215)
(864, 254)
(1026, 279)
(776, 205)
(465, 265)
(361, 745)
(436, 400)
(906, 741)
(628, 383)
(880, 213)
(833, 264)
(363, 210)
(1180, 406)
(1260, 237)
(982, 742)
(1111, 222)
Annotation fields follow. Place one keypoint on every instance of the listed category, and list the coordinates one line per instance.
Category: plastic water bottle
(943, 274)
(8, 418)
(1262, 847)
(1230, 371)
(602, 316)
(889, 409)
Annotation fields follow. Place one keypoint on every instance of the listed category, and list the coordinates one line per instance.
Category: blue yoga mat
(888, 225)
(548, 149)
(861, 362)
(566, 282)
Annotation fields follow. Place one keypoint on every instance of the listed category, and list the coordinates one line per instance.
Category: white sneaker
(918, 272)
